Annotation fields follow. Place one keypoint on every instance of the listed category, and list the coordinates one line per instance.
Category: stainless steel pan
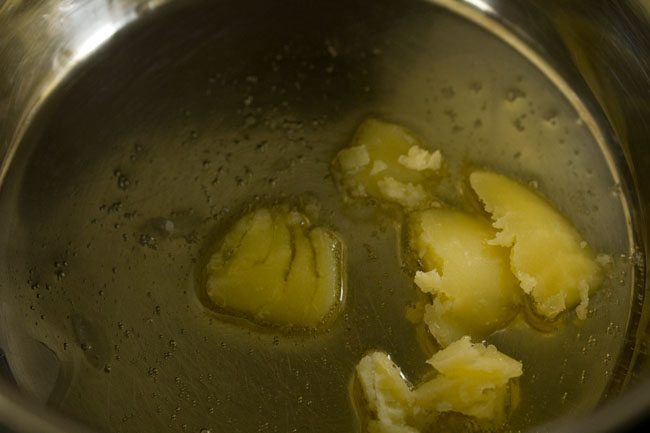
(131, 130)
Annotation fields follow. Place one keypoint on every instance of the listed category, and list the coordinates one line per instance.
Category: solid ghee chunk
(474, 292)
(472, 379)
(388, 396)
(469, 379)
(274, 267)
(387, 162)
(552, 262)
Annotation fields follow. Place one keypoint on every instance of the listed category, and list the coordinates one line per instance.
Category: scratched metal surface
(199, 107)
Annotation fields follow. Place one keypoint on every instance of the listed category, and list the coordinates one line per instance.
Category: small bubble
(518, 124)
(550, 116)
(107, 369)
(114, 207)
(123, 183)
(152, 372)
(250, 121)
(450, 113)
(148, 240)
(612, 328)
(331, 49)
(86, 347)
(447, 92)
(514, 93)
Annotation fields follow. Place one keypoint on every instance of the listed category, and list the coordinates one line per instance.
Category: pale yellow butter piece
(549, 257)
(474, 292)
(470, 379)
(387, 162)
(405, 194)
(274, 267)
(387, 394)
(421, 159)
(354, 159)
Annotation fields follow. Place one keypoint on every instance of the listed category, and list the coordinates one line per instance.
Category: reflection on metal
(481, 5)
(94, 41)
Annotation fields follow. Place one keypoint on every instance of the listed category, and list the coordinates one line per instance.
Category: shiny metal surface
(89, 88)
